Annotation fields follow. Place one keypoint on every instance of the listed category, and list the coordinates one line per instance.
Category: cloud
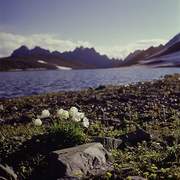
(10, 42)
(123, 51)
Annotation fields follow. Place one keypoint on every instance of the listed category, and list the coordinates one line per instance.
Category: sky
(113, 27)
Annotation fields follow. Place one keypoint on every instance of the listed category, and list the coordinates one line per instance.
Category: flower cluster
(62, 114)
(74, 115)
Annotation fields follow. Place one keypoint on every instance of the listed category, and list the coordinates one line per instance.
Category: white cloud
(123, 51)
(10, 41)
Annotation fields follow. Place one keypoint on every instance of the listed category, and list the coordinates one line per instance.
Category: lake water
(14, 84)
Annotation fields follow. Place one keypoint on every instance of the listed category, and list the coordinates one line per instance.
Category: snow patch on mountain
(42, 62)
(170, 59)
(63, 68)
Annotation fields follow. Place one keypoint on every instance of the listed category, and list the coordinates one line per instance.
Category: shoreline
(130, 92)
(58, 69)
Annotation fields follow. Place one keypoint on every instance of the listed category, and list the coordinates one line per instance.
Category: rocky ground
(139, 125)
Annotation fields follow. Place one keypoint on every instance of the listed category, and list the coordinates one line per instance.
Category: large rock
(6, 173)
(78, 161)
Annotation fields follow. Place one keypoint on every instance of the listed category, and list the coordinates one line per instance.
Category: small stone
(108, 142)
(1, 107)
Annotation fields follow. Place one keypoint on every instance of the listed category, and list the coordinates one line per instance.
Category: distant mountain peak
(37, 48)
(21, 51)
(85, 50)
(38, 51)
(23, 47)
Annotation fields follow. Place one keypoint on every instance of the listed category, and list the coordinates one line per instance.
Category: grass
(71, 133)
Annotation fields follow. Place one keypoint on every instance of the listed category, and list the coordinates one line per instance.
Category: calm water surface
(35, 82)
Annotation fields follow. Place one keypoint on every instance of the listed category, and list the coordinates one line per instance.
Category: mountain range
(167, 55)
(24, 58)
(39, 58)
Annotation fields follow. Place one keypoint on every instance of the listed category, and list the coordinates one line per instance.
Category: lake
(13, 84)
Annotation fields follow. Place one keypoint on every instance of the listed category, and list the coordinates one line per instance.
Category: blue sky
(114, 27)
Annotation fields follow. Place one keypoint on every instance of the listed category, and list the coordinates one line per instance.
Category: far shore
(68, 68)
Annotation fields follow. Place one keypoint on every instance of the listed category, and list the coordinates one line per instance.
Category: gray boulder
(6, 173)
(79, 161)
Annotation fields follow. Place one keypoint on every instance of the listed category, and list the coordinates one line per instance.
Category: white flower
(85, 122)
(60, 112)
(45, 113)
(76, 117)
(73, 110)
(37, 122)
(81, 115)
(63, 114)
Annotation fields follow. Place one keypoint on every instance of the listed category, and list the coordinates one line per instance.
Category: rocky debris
(136, 178)
(77, 162)
(108, 142)
(6, 173)
(134, 137)
(151, 100)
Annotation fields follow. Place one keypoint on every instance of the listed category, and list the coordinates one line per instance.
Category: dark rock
(78, 161)
(2, 121)
(25, 118)
(6, 173)
(20, 52)
(134, 137)
(101, 87)
(169, 140)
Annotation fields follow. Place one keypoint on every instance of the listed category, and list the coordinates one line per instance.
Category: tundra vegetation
(31, 127)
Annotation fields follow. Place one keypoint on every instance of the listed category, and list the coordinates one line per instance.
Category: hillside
(161, 56)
